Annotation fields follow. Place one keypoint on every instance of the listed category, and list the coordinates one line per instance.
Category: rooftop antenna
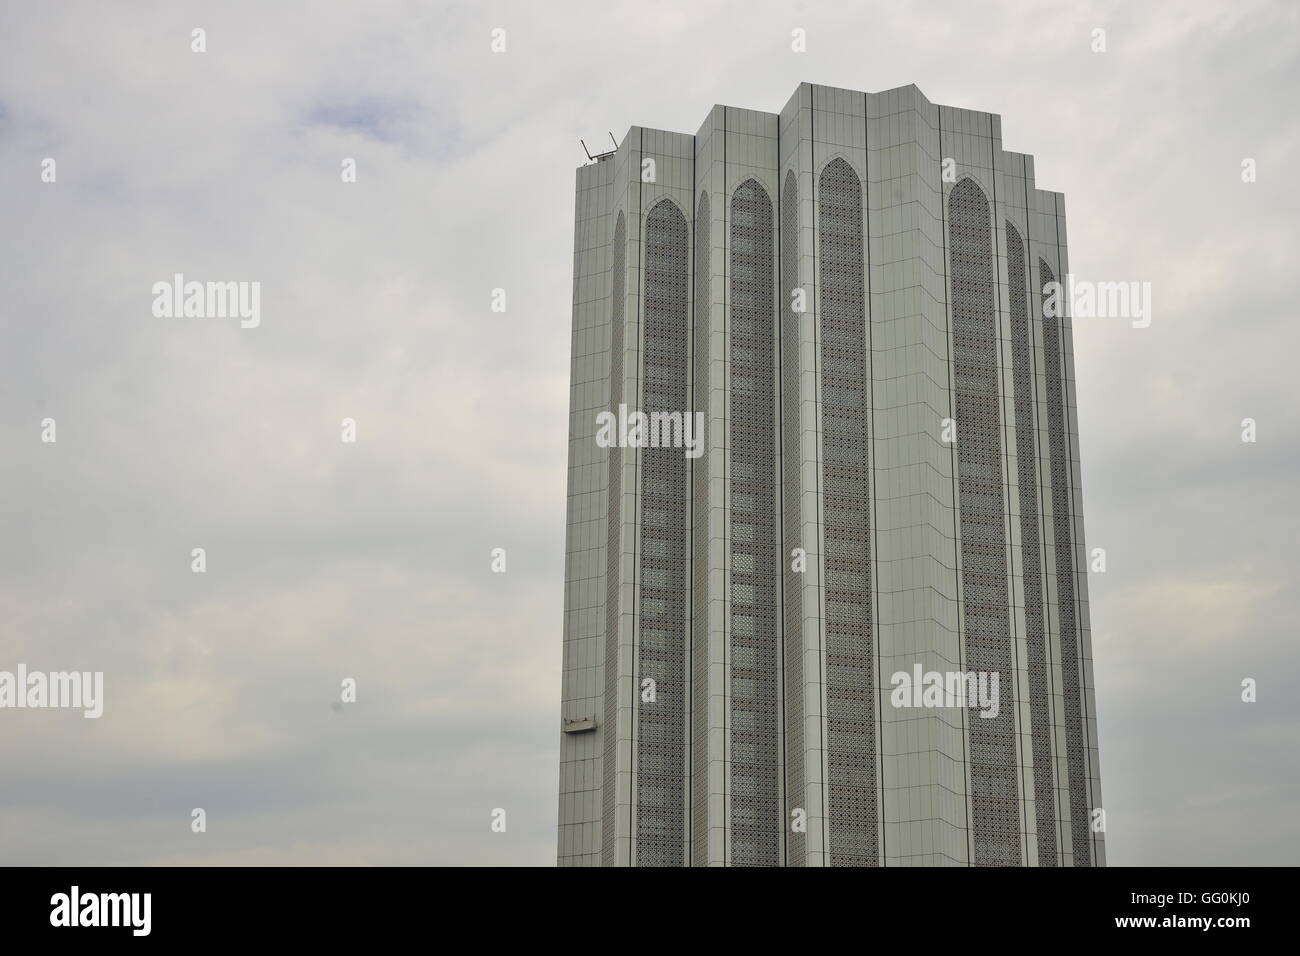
(613, 140)
(590, 158)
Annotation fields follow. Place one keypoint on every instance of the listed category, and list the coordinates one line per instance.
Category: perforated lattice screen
(792, 520)
(1040, 703)
(995, 809)
(700, 552)
(756, 825)
(614, 487)
(846, 409)
(1076, 759)
(662, 559)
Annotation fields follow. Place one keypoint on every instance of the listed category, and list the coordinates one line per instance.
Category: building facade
(885, 503)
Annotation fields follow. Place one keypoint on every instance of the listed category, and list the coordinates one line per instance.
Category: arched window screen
(995, 801)
(662, 559)
(756, 817)
(1076, 758)
(1040, 702)
(846, 412)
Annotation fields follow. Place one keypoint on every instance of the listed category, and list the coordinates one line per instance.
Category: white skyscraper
(850, 292)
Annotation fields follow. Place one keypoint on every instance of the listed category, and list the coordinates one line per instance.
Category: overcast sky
(370, 561)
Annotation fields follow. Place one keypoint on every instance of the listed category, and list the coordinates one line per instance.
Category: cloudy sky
(370, 561)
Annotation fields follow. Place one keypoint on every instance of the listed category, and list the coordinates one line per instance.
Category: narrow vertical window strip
(613, 538)
(792, 519)
(700, 550)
